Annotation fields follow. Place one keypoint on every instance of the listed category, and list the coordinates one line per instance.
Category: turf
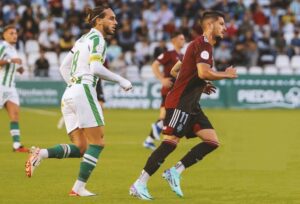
(258, 161)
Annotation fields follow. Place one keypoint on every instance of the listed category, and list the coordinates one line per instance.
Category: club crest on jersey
(179, 127)
(204, 55)
(160, 56)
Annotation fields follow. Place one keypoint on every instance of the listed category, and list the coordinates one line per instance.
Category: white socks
(78, 185)
(144, 177)
(179, 167)
(43, 153)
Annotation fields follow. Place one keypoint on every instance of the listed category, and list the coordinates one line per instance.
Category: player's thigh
(173, 138)
(208, 135)
(78, 138)
(162, 113)
(12, 110)
(88, 109)
(95, 135)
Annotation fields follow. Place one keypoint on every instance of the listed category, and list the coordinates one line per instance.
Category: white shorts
(80, 107)
(8, 94)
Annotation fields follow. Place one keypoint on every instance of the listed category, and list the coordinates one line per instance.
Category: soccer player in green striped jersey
(10, 63)
(82, 113)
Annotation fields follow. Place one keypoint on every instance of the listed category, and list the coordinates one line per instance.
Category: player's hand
(16, 60)
(167, 82)
(231, 72)
(126, 85)
(20, 70)
(209, 88)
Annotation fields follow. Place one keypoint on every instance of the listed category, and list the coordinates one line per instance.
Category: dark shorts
(180, 123)
(99, 90)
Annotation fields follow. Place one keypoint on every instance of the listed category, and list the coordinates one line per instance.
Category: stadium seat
(132, 73)
(282, 62)
(147, 73)
(255, 70)
(295, 62)
(32, 57)
(286, 72)
(241, 70)
(27, 71)
(153, 45)
(270, 70)
(54, 73)
(297, 71)
(61, 57)
(32, 46)
(52, 58)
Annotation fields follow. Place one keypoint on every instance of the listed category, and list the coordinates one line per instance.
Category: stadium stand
(260, 32)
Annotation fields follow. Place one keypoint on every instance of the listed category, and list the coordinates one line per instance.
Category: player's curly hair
(93, 14)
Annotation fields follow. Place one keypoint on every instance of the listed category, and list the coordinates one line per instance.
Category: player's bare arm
(166, 82)
(206, 73)
(12, 60)
(175, 69)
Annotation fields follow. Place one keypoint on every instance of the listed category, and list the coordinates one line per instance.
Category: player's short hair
(211, 15)
(10, 26)
(175, 34)
(97, 12)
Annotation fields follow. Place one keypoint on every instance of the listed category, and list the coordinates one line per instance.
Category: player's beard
(108, 31)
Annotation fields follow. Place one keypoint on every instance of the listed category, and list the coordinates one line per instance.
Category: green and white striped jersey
(90, 47)
(8, 71)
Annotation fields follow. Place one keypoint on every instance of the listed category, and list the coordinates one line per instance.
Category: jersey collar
(97, 31)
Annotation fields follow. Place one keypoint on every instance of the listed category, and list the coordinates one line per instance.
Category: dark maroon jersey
(168, 59)
(188, 87)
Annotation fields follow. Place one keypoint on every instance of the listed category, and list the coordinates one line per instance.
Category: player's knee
(213, 143)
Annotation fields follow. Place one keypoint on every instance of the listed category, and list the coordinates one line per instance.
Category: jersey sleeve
(163, 58)
(203, 54)
(2, 52)
(97, 48)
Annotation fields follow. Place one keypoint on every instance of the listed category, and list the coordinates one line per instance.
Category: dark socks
(158, 156)
(197, 153)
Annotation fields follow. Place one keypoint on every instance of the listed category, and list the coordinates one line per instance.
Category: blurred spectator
(126, 37)
(274, 20)
(294, 48)
(151, 17)
(41, 66)
(280, 43)
(113, 50)
(30, 31)
(47, 23)
(9, 13)
(165, 23)
(66, 42)
(49, 40)
(222, 56)
(142, 53)
(232, 28)
(162, 47)
(56, 9)
(259, 17)
(118, 65)
(295, 9)
(142, 30)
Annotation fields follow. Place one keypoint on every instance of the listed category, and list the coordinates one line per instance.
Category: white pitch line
(41, 111)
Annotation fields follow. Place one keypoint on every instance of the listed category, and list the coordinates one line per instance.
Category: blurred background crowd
(263, 36)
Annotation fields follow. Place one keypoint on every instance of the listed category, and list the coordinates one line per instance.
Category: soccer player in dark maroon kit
(167, 59)
(184, 116)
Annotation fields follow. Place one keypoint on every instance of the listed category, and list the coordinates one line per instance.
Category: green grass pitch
(258, 160)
